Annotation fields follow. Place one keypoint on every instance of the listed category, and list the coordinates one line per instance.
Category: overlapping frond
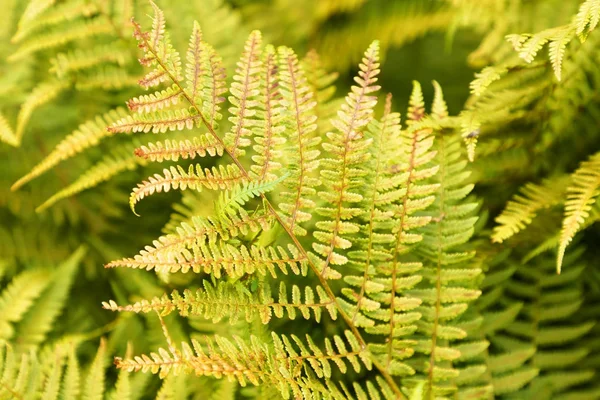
(79, 60)
(120, 159)
(39, 319)
(528, 45)
(199, 230)
(54, 374)
(18, 297)
(159, 53)
(545, 325)
(587, 18)
(85, 136)
(342, 174)
(450, 280)
(523, 208)
(296, 97)
(289, 365)
(581, 196)
(63, 35)
(41, 94)
(230, 201)
(196, 178)
(322, 83)
(205, 77)
(269, 124)
(244, 90)
(32, 21)
(415, 169)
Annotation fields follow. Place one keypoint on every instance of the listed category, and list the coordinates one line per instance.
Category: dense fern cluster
(321, 247)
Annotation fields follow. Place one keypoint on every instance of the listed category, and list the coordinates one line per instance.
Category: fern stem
(231, 152)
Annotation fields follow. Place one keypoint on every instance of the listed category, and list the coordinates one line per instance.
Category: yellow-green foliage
(323, 245)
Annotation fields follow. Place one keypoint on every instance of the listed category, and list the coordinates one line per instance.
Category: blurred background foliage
(421, 40)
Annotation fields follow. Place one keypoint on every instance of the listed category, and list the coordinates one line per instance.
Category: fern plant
(321, 248)
(359, 253)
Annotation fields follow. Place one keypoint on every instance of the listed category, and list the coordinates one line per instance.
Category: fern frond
(379, 189)
(205, 76)
(221, 358)
(296, 97)
(41, 94)
(581, 195)
(439, 108)
(587, 18)
(470, 133)
(215, 257)
(523, 208)
(33, 9)
(59, 14)
(286, 367)
(544, 325)
(244, 91)
(93, 386)
(194, 65)
(62, 35)
(556, 50)
(18, 297)
(80, 60)
(415, 195)
(299, 355)
(322, 83)
(231, 200)
(123, 387)
(449, 281)
(157, 122)
(85, 136)
(198, 231)
(158, 51)
(194, 178)
(120, 159)
(71, 387)
(270, 121)
(174, 149)
(105, 77)
(235, 301)
(155, 101)
(6, 132)
(485, 78)
(19, 376)
(342, 174)
(38, 321)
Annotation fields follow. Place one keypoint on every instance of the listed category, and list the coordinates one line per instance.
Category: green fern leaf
(581, 195)
(40, 95)
(231, 200)
(244, 90)
(303, 157)
(93, 387)
(6, 132)
(85, 136)
(38, 321)
(18, 297)
(521, 210)
(121, 159)
(587, 17)
(194, 178)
